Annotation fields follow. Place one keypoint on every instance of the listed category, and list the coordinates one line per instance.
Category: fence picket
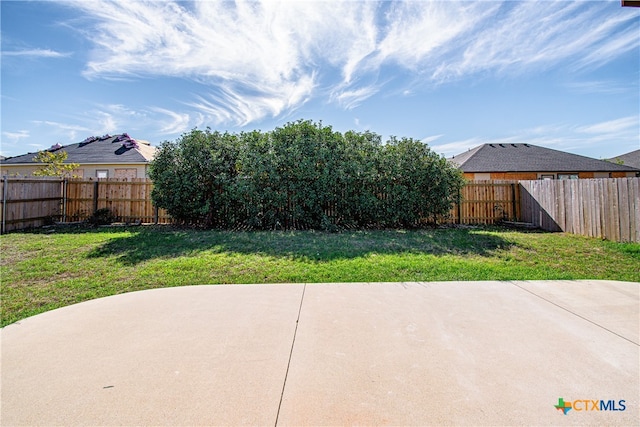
(625, 213)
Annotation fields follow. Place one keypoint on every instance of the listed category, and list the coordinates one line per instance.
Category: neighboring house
(118, 156)
(526, 161)
(630, 159)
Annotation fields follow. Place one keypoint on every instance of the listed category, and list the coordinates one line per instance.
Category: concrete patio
(437, 353)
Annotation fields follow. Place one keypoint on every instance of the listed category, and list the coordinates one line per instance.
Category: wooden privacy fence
(129, 201)
(30, 202)
(34, 202)
(604, 208)
(487, 202)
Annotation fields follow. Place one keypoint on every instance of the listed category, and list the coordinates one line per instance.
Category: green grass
(47, 269)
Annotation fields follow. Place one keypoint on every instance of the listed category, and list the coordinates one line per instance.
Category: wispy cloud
(267, 58)
(419, 34)
(520, 36)
(69, 131)
(607, 87)
(450, 149)
(16, 136)
(178, 122)
(114, 119)
(612, 126)
(604, 137)
(350, 99)
(36, 53)
(430, 139)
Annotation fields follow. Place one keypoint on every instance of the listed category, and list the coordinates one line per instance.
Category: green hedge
(302, 175)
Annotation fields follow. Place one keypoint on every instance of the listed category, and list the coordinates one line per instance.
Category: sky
(563, 75)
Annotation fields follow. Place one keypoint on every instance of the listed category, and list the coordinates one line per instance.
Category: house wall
(525, 176)
(130, 170)
(623, 175)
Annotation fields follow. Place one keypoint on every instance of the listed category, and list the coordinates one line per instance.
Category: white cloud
(36, 53)
(16, 136)
(612, 126)
(419, 32)
(430, 139)
(350, 99)
(243, 105)
(261, 56)
(608, 87)
(179, 122)
(107, 123)
(450, 149)
(609, 39)
(70, 131)
(537, 35)
(266, 58)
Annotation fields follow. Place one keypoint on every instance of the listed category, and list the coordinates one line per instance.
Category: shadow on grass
(142, 244)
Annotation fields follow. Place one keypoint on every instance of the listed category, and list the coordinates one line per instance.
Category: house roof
(629, 159)
(97, 150)
(530, 158)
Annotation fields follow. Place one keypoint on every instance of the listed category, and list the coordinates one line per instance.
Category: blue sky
(563, 75)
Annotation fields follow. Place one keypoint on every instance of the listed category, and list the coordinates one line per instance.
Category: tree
(54, 164)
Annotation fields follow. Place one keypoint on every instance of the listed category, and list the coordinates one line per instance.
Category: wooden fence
(604, 208)
(35, 202)
(30, 202)
(487, 202)
(129, 201)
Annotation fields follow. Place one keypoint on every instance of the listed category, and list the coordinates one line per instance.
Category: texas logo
(563, 406)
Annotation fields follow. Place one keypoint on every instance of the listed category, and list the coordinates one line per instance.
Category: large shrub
(194, 178)
(302, 175)
(418, 184)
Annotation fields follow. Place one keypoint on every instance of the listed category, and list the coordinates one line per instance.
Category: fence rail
(604, 208)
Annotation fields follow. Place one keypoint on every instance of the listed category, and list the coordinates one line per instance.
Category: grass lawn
(47, 269)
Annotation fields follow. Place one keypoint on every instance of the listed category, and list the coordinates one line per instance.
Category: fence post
(5, 182)
(95, 196)
(513, 202)
(65, 183)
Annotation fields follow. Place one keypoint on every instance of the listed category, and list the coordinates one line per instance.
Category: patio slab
(437, 353)
(466, 353)
(202, 355)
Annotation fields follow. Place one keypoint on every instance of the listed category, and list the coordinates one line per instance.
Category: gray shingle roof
(630, 159)
(108, 150)
(530, 158)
